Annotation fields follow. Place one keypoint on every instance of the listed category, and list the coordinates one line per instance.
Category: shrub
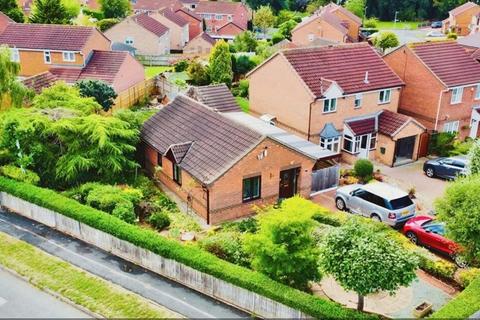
(6, 157)
(227, 246)
(159, 220)
(370, 23)
(19, 174)
(440, 268)
(106, 24)
(125, 212)
(188, 255)
(92, 13)
(181, 66)
(466, 276)
(441, 144)
(363, 169)
(452, 35)
(324, 219)
(463, 305)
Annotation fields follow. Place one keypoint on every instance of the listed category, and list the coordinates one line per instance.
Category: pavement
(19, 299)
(407, 36)
(165, 292)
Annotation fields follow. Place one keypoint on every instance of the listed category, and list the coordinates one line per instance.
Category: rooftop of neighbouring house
(172, 16)
(472, 40)
(218, 97)
(46, 36)
(215, 142)
(448, 61)
(462, 8)
(150, 24)
(40, 81)
(223, 7)
(332, 7)
(325, 15)
(151, 5)
(354, 67)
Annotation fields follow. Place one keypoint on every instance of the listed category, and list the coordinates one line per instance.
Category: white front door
(474, 123)
(364, 146)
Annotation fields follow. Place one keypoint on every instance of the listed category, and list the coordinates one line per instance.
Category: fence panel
(135, 94)
(325, 178)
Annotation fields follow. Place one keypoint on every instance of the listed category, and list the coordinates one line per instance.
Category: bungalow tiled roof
(46, 36)
(448, 61)
(150, 24)
(216, 143)
(40, 81)
(218, 97)
(362, 126)
(354, 67)
(172, 16)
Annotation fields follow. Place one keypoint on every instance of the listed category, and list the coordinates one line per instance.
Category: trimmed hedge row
(188, 255)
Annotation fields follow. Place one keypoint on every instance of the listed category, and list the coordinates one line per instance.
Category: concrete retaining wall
(202, 282)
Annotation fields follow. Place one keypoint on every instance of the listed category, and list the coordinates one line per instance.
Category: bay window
(332, 144)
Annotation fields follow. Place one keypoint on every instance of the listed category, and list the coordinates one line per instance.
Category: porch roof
(363, 125)
(329, 131)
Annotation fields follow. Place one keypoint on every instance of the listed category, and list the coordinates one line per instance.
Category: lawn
(243, 103)
(150, 72)
(76, 285)
(389, 25)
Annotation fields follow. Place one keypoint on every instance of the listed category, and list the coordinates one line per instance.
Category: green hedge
(188, 255)
(463, 305)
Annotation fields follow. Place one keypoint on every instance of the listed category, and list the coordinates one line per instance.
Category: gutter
(438, 107)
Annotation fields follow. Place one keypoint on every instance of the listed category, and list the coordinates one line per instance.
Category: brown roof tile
(46, 36)
(151, 5)
(150, 24)
(389, 122)
(448, 61)
(332, 7)
(225, 7)
(345, 64)
(218, 97)
(362, 126)
(217, 143)
(40, 81)
(190, 13)
(172, 16)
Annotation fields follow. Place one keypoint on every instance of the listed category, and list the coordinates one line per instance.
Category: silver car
(379, 201)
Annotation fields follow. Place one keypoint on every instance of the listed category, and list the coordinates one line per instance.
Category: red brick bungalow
(221, 168)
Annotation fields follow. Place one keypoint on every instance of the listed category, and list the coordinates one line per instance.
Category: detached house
(177, 26)
(343, 97)
(147, 35)
(40, 47)
(201, 45)
(219, 166)
(442, 86)
(460, 19)
(195, 26)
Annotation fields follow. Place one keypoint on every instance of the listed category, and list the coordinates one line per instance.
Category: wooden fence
(135, 94)
(325, 178)
(219, 289)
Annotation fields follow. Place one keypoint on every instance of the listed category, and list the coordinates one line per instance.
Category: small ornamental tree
(12, 10)
(245, 42)
(49, 12)
(364, 261)
(198, 73)
(220, 60)
(101, 91)
(115, 8)
(283, 247)
(460, 209)
(474, 158)
(264, 18)
(385, 40)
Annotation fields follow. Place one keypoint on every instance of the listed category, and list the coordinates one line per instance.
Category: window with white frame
(477, 92)
(311, 37)
(332, 144)
(229, 17)
(358, 100)
(451, 126)
(351, 144)
(457, 94)
(47, 57)
(129, 41)
(68, 56)
(384, 96)
(218, 17)
(207, 16)
(373, 140)
(14, 55)
(329, 105)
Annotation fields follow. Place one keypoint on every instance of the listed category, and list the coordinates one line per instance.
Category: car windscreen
(435, 227)
(400, 203)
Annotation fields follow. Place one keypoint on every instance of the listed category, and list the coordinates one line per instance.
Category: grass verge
(151, 72)
(95, 294)
(390, 25)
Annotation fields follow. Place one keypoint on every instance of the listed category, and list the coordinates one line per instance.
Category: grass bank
(151, 72)
(95, 294)
(390, 25)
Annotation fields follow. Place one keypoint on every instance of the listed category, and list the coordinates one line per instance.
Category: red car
(426, 231)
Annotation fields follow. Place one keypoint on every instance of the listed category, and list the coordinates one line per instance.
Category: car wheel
(340, 204)
(460, 261)
(412, 237)
(375, 217)
(430, 172)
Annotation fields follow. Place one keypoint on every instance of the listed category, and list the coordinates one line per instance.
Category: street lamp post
(395, 20)
(364, 14)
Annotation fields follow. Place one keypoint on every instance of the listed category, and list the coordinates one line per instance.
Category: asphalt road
(19, 299)
(172, 295)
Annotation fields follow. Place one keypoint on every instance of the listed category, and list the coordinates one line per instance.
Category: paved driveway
(19, 299)
(411, 175)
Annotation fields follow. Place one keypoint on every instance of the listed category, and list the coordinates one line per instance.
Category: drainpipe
(208, 204)
(438, 107)
(310, 117)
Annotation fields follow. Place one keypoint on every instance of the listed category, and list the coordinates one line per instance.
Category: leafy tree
(106, 24)
(283, 248)
(115, 8)
(11, 9)
(443, 6)
(220, 60)
(370, 23)
(61, 95)
(198, 73)
(245, 42)
(364, 261)
(357, 7)
(474, 158)
(10, 87)
(277, 37)
(72, 7)
(264, 18)
(315, 5)
(101, 91)
(285, 29)
(460, 209)
(385, 40)
(286, 15)
(276, 5)
(243, 65)
(49, 12)
(298, 5)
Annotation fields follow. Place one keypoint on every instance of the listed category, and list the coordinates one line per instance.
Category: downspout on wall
(438, 107)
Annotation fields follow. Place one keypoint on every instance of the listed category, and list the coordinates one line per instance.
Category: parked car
(435, 34)
(436, 24)
(379, 201)
(447, 168)
(426, 231)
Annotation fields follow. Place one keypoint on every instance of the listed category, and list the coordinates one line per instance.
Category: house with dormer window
(343, 97)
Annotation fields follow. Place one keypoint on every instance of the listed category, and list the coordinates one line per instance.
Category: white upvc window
(47, 57)
(14, 55)
(477, 92)
(329, 105)
(332, 144)
(311, 37)
(451, 126)
(218, 17)
(207, 16)
(358, 100)
(373, 140)
(384, 96)
(457, 94)
(129, 41)
(351, 144)
(68, 56)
